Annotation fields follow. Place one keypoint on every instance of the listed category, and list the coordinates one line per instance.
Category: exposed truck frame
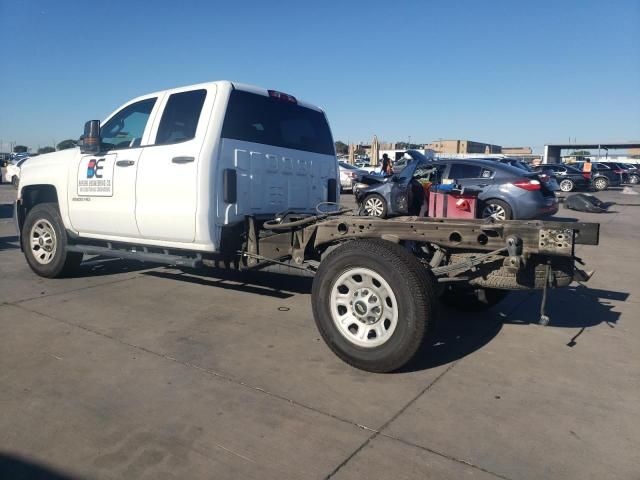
(469, 264)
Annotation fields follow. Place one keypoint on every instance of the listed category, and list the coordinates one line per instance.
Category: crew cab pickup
(228, 174)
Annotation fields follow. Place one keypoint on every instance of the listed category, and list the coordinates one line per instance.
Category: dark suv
(627, 174)
(569, 178)
(603, 176)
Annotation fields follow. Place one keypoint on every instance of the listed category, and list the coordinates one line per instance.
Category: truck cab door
(167, 187)
(102, 187)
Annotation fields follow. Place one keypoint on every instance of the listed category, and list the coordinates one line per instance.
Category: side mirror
(91, 137)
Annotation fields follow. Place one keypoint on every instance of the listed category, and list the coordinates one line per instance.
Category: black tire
(487, 204)
(374, 197)
(62, 263)
(600, 183)
(472, 299)
(413, 289)
(567, 185)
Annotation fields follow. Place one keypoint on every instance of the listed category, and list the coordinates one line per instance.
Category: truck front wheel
(44, 241)
(373, 304)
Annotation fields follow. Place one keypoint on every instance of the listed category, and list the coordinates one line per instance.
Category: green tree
(581, 153)
(342, 148)
(20, 149)
(63, 145)
(46, 150)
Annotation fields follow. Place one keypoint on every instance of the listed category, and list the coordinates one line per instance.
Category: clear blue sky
(511, 73)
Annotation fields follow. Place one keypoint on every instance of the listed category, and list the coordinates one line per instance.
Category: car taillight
(530, 185)
(282, 96)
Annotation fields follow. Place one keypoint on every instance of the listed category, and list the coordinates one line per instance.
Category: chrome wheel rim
(566, 185)
(363, 307)
(633, 179)
(43, 241)
(374, 207)
(494, 211)
(600, 184)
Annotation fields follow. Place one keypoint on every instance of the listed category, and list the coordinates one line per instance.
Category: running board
(141, 256)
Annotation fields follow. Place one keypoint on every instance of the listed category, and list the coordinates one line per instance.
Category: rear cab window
(180, 117)
(256, 118)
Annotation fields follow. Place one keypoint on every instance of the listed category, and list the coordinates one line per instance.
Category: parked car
(634, 172)
(349, 174)
(603, 176)
(627, 174)
(569, 178)
(12, 171)
(506, 192)
(545, 176)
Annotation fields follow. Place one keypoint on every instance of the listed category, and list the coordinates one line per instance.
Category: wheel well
(33, 195)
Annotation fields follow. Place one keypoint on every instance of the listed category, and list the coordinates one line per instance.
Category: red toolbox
(452, 204)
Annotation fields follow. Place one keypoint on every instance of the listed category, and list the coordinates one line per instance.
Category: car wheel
(634, 179)
(567, 185)
(600, 183)
(375, 206)
(496, 209)
(44, 240)
(373, 303)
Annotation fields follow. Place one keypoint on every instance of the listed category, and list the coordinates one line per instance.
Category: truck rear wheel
(373, 304)
(44, 241)
(472, 299)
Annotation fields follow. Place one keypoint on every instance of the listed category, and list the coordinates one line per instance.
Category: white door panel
(166, 192)
(102, 193)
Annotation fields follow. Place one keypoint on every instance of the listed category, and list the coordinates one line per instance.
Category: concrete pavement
(136, 372)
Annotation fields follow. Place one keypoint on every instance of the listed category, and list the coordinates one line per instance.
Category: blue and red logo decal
(94, 168)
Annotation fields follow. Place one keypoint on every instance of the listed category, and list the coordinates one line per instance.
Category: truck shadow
(459, 334)
(269, 284)
(10, 242)
(17, 468)
(99, 266)
(6, 210)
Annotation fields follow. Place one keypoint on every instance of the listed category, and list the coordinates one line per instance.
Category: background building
(462, 146)
(517, 150)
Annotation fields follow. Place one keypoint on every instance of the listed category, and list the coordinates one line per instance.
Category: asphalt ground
(128, 371)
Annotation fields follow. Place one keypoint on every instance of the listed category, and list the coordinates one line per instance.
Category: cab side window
(180, 117)
(125, 128)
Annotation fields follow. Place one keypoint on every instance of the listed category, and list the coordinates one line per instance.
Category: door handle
(483, 185)
(125, 163)
(182, 159)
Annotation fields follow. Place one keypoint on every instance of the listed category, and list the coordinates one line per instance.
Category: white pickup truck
(231, 174)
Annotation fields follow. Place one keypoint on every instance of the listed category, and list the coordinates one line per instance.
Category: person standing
(586, 169)
(386, 164)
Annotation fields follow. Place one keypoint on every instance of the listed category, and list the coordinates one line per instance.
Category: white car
(12, 172)
(349, 174)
